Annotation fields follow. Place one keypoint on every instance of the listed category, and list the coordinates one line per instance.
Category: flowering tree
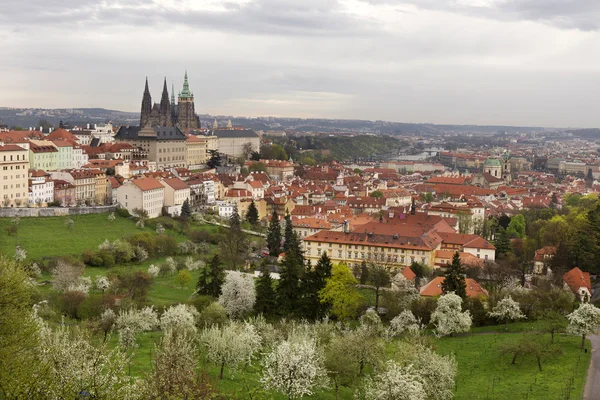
(69, 223)
(584, 321)
(83, 284)
(102, 283)
(107, 321)
(405, 322)
(231, 345)
(507, 309)
(160, 229)
(448, 316)
(170, 265)
(395, 382)
(131, 322)
(438, 373)
(153, 270)
(238, 294)
(65, 275)
(73, 366)
(140, 254)
(20, 254)
(111, 217)
(180, 319)
(294, 368)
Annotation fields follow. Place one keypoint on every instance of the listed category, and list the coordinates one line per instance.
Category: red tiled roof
(576, 279)
(176, 183)
(434, 288)
(146, 184)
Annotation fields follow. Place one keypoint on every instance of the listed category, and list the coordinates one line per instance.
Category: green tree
(502, 243)
(279, 152)
(252, 214)
(186, 211)
(215, 159)
(340, 291)
(211, 278)
(378, 194)
(364, 273)
(274, 235)
(426, 197)
(183, 278)
(257, 167)
(288, 289)
(265, 294)
(455, 278)
(312, 283)
(18, 331)
(516, 227)
(233, 243)
(288, 232)
(255, 156)
(379, 277)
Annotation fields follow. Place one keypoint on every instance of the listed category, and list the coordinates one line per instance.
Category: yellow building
(353, 248)
(195, 150)
(14, 169)
(100, 186)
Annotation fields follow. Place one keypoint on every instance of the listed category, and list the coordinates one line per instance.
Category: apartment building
(14, 169)
(147, 194)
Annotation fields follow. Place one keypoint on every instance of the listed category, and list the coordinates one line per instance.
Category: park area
(484, 365)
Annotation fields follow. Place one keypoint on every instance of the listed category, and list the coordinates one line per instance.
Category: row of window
(374, 257)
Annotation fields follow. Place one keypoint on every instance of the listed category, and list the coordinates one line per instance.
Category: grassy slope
(48, 236)
(484, 374)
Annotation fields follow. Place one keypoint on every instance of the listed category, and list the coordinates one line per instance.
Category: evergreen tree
(274, 235)
(364, 273)
(313, 282)
(233, 243)
(265, 294)
(252, 214)
(215, 159)
(455, 278)
(211, 278)
(289, 295)
(288, 232)
(186, 210)
(502, 242)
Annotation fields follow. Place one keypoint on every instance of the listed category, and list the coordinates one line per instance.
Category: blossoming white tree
(507, 310)
(20, 254)
(405, 322)
(65, 275)
(180, 319)
(438, 373)
(153, 270)
(131, 322)
(111, 217)
(102, 283)
(395, 382)
(448, 316)
(295, 368)
(83, 284)
(238, 294)
(231, 345)
(584, 321)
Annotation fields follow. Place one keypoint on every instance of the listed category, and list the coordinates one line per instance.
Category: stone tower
(186, 113)
(146, 106)
(506, 175)
(165, 107)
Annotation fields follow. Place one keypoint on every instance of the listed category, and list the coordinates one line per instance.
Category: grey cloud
(273, 17)
(565, 14)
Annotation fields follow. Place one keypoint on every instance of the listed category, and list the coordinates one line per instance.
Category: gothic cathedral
(182, 115)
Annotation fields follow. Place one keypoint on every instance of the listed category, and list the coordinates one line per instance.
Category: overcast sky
(513, 62)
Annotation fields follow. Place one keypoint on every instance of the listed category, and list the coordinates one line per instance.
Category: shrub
(122, 212)
(214, 314)
(70, 301)
(201, 302)
(165, 245)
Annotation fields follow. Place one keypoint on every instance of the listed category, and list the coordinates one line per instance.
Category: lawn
(484, 374)
(49, 236)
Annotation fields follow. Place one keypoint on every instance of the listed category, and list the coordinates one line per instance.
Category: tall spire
(185, 93)
(146, 106)
(165, 107)
(172, 95)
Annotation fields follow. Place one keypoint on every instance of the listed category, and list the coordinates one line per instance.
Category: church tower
(165, 107)
(186, 113)
(146, 106)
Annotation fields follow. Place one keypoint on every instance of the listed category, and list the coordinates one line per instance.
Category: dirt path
(592, 382)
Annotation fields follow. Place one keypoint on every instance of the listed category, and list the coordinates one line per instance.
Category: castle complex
(167, 113)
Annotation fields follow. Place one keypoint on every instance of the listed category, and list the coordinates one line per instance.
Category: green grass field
(49, 236)
(483, 373)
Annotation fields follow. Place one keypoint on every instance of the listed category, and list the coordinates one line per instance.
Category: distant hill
(586, 133)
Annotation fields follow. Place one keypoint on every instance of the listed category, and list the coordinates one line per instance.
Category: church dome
(492, 162)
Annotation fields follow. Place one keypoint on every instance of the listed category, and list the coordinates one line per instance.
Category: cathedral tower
(186, 113)
(165, 107)
(146, 106)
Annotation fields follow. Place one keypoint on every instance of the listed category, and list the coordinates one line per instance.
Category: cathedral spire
(185, 93)
(165, 107)
(172, 95)
(146, 106)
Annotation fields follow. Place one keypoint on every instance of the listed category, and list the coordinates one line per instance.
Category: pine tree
(455, 278)
(274, 235)
(186, 211)
(288, 232)
(265, 294)
(252, 214)
(312, 283)
(502, 242)
(289, 295)
(215, 159)
(233, 243)
(211, 278)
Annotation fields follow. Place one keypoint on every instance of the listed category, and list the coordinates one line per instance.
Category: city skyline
(457, 62)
